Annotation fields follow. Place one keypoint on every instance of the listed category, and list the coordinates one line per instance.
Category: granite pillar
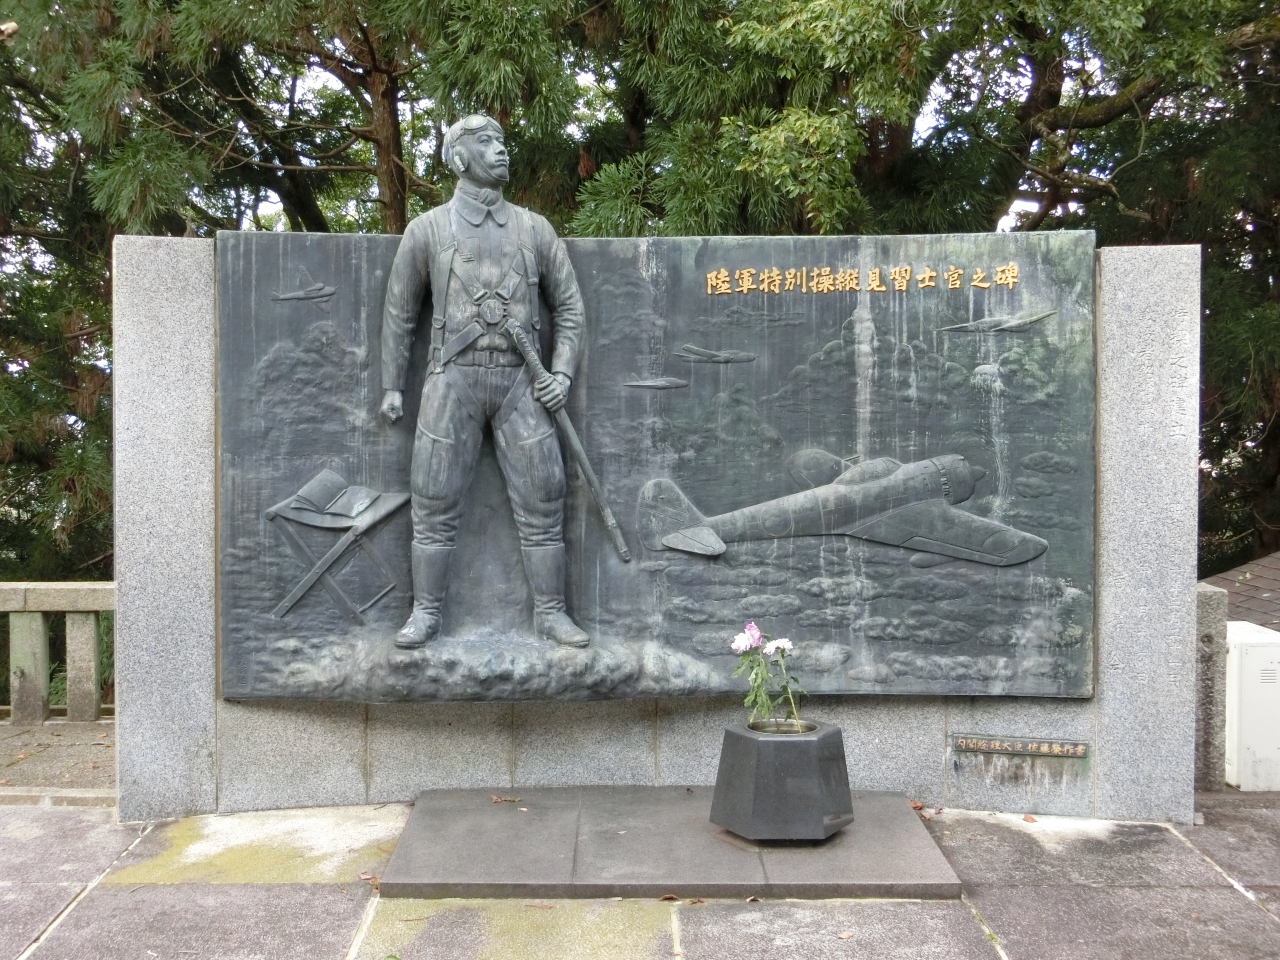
(84, 676)
(29, 667)
(164, 332)
(1211, 687)
(1148, 319)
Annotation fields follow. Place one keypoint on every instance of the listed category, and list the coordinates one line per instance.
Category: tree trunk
(299, 200)
(384, 97)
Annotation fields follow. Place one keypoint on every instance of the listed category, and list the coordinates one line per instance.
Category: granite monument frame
(184, 750)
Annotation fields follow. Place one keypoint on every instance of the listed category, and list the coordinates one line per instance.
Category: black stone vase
(782, 780)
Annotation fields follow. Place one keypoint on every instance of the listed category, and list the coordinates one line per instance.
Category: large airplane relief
(908, 505)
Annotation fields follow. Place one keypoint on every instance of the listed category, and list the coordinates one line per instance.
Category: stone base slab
(590, 842)
(57, 797)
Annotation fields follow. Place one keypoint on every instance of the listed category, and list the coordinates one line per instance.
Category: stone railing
(29, 606)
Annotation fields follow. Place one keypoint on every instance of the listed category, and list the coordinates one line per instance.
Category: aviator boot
(544, 566)
(430, 579)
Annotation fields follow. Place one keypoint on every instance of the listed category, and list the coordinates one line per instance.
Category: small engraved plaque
(967, 743)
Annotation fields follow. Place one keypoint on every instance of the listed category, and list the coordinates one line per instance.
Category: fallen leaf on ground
(668, 896)
(916, 804)
(497, 799)
(696, 900)
(1029, 818)
(925, 816)
(22, 756)
(753, 899)
(845, 935)
(937, 810)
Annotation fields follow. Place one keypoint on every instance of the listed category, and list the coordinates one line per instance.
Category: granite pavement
(77, 885)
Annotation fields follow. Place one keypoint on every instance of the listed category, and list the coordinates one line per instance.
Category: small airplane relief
(318, 294)
(658, 383)
(909, 505)
(695, 354)
(999, 324)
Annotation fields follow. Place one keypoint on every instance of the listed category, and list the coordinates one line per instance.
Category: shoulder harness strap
(441, 268)
(524, 236)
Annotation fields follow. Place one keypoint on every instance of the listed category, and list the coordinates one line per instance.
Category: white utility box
(1253, 706)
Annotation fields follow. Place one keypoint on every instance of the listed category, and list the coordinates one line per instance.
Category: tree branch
(1099, 112)
(1260, 32)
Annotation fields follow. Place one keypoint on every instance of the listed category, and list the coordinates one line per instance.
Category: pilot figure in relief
(483, 261)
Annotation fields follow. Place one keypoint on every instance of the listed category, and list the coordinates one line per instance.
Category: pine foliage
(1151, 121)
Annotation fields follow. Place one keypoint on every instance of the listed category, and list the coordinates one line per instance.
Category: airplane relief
(908, 505)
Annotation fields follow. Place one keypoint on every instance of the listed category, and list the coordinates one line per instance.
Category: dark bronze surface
(913, 506)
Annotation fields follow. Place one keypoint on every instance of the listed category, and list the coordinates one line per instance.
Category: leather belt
(489, 358)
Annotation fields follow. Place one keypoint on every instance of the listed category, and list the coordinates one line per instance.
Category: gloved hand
(392, 408)
(554, 392)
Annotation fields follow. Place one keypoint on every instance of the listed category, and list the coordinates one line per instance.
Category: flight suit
(483, 263)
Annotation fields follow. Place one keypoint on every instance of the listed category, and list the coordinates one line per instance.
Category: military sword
(541, 378)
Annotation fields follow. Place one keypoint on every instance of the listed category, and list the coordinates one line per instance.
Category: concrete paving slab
(1244, 842)
(208, 922)
(60, 844)
(1269, 898)
(885, 852)
(462, 843)
(27, 908)
(593, 842)
(879, 930)
(1006, 849)
(1095, 923)
(313, 846)
(519, 930)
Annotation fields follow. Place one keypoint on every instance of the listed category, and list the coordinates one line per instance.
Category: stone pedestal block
(782, 786)
(29, 667)
(84, 676)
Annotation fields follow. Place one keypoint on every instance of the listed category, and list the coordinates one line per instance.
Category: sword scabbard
(525, 346)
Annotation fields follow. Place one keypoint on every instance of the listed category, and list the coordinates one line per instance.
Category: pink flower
(773, 646)
(742, 643)
(752, 631)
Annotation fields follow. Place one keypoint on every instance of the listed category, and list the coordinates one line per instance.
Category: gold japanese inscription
(856, 280)
(847, 280)
(1007, 275)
